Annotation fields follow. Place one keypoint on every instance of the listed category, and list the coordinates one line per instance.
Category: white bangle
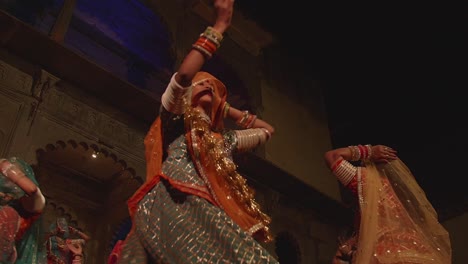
(345, 172)
(267, 133)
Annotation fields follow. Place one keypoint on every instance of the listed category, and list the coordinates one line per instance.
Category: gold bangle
(213, 32)
(226, 109)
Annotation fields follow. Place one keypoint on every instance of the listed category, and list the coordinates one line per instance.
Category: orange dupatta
(245, 213)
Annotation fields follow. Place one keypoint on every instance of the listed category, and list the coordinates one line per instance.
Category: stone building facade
(76, 112)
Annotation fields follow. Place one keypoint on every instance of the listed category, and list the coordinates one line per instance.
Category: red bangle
(362, 152)
(207, 44)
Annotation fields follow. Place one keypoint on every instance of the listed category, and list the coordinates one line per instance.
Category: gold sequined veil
(398, 223)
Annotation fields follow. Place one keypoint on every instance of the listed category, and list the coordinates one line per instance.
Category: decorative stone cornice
(16, 37)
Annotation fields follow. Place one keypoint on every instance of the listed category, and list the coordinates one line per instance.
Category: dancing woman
(195, 207)
(396, 223)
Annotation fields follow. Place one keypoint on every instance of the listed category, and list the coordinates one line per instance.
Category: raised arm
(195, 59)
(208, 42)
(34, 200)
(338, 159)
(237, 115)
(332, 156)
(377, 153)
(17, 176)
(254, 132)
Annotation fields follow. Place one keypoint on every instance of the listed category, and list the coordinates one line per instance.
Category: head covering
(154, 138)
(29, 248)
(219, 99)
(398, 223)
(228, 189)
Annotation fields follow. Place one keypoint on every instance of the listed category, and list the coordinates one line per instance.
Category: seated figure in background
(65, 243)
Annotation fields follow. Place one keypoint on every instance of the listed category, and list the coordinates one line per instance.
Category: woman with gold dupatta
(396, 223)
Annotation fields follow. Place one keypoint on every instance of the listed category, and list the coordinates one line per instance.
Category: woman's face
(202, 94)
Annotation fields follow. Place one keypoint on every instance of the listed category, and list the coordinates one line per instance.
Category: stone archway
(89, 185)
(53, 210)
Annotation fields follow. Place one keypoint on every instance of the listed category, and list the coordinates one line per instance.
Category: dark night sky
(392, 74)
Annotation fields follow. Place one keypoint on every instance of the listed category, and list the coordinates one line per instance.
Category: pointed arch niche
(89, 186)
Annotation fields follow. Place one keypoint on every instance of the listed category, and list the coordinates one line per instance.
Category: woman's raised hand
(224, 10)
(383, 154)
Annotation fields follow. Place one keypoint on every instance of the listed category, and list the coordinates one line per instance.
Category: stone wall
(56, 128)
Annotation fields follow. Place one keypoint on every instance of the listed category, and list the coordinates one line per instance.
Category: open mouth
(203, 93)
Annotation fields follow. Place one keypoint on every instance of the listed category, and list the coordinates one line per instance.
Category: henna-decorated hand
(383, 154)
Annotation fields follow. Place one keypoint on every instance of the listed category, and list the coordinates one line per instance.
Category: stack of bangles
(208, 42)
(251, 138)
(345, 171)
(247, 120)
(360, 152)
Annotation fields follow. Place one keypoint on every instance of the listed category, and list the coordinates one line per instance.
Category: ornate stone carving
(73, 113)
(10, 112)
(14, 79)
(43, 83)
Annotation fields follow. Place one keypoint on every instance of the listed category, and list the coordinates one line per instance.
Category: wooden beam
(60, 27)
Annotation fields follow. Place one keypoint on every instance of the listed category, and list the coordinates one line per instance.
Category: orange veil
(228, 189)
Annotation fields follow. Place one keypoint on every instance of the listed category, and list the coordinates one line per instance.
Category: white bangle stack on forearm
(173, 98)
(344, 171)
(251, 138)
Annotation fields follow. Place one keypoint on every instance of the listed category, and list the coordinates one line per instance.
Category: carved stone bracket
(42, 83)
